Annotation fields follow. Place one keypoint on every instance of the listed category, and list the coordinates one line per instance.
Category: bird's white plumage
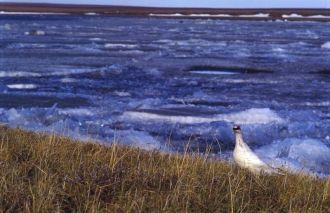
(246, 158)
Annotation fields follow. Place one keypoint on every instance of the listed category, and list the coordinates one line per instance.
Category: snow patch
(31, 13)
(319, 16)
(293, 15)
(165, 15)
(259, 15)
(210, 15)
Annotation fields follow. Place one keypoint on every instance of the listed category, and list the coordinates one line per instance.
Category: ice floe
(326, 45)
(36, 33)
(210, 15)
(91, 14)
(319, 16)
(137, 139)
(293, 15)
(164, 15)
(22, 86)
(117, 45)
(211, 72)
(76, 112)
(31, 13)
(250, 116)
(160, 79)
(11, 74)
(298, 155)
(259, 15)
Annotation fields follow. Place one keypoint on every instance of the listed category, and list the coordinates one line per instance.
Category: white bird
(246, 158)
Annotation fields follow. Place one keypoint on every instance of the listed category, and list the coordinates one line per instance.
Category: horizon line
(160, 7)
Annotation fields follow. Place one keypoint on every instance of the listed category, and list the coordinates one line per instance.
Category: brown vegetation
(145, 11)
(40, 173)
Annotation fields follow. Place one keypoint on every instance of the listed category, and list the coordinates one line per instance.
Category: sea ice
(326, 45)
(254, 116)
(22, 86)
(117, 45)
(298, 155)
(5, 74)
(250, 116)
(210, 72)
(259, 15)
(293, 15)
(137, 139)
(138, 85)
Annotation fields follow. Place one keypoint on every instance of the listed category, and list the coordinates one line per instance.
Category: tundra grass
(47, 173)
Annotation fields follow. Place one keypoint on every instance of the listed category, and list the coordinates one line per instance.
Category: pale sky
(198, 3)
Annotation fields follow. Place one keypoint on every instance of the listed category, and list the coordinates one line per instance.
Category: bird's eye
(236, 128)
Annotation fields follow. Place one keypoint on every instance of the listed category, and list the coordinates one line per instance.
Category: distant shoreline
(292, 14)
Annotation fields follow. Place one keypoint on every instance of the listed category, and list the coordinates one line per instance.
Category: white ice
(210, 72)
(320, 104)
(293, 15)
(90, 14)
(22, 86)
(77, 111)
(95, 39)
(117, 45)
(137, 139)
(31, 13)
(259, 15)
(68, 80)
(210, 15)
(161, 15)
(250, 116)
(250, 81)
(298, 155)
(122, 93)
(319, 16)
(5, 74)
(326, 45)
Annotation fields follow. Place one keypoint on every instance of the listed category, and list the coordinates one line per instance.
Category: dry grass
(41, 173)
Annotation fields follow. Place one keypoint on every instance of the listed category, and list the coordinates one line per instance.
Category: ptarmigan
(246, 158)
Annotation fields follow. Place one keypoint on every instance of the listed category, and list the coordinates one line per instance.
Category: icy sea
(165, 84)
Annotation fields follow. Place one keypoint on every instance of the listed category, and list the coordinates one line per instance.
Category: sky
(198, 3)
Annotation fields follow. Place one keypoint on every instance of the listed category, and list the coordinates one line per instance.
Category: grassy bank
(41, 173)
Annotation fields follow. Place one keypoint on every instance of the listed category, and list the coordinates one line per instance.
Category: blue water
(165, 83)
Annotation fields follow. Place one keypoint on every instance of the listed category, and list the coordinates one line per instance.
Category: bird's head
(236, 129)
